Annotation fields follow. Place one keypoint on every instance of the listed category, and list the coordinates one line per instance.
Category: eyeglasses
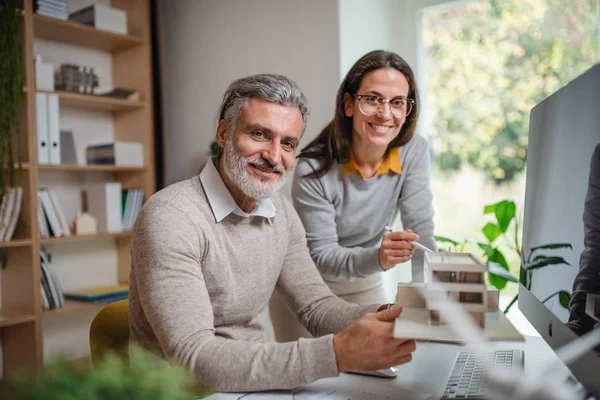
(370, 104)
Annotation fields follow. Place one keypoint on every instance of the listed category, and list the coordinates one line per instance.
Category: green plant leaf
(498, 270)
(564, 298)
(545, 261)
(486, 247)
(552, 246)
(490, 208)
(504, 210)
(497, 281)
(489, 250)
(491, 231)
(443, 239)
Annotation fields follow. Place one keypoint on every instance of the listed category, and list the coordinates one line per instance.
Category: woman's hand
(396, 248)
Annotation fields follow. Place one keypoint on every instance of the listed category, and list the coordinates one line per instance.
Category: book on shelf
(44, 75)
(50, 215)
(104, 204)
(102, 17)
(47, 128)
(99, 294)
(52, 8)
(10, 209)
(43, 222)
(120, 93)
(117, 153)
(52, 291)
(68, 154)
(132, 200)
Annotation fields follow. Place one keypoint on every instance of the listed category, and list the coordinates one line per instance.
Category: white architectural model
(456, 275)
(451, 278)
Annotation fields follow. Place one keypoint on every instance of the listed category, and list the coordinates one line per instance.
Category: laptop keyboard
(466, 378)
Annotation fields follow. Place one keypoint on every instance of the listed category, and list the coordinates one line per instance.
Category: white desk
(424, 377)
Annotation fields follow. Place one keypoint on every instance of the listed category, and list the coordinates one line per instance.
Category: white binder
(41, 117)
(53, 129)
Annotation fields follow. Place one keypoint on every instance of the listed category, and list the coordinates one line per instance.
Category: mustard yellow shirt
(390, 163)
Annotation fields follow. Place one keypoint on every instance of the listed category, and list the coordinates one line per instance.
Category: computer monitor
(564, 129)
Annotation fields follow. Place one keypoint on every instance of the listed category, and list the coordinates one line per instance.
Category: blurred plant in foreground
(142, 377)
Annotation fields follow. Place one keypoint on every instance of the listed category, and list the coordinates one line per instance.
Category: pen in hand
(416, 244)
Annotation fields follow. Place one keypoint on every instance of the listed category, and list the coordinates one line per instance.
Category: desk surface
(429, 370)
(422, 378)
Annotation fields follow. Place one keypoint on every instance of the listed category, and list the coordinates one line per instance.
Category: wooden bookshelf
(24, 166)
(22, 325)
(72, 307)
(12, 317)
(74, 238)
(81, 35)
(15, 243)
(90, 168)
(95, 102)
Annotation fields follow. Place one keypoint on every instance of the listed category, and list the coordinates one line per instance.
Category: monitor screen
(563, 134)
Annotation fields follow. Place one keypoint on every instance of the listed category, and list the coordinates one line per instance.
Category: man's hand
(369, 344)
(395, 248)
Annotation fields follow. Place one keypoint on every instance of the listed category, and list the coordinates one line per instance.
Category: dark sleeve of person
(588, 277)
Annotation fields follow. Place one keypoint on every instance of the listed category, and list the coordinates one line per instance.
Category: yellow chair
(110, 331)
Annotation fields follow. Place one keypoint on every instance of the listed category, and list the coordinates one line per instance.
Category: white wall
(207, 44)
(364, 26)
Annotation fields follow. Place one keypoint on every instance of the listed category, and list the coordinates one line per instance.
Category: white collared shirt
(222, 203)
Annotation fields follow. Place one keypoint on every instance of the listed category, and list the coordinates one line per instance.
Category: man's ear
(221, 136)
(348, 109)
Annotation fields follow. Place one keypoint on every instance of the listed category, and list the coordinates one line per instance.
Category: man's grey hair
(275, 88)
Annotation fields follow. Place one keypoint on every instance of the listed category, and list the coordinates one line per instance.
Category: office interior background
(478, 141)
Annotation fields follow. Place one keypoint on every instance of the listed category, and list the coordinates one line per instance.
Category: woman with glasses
(365, 167)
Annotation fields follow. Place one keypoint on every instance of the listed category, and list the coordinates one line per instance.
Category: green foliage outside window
(489, 63)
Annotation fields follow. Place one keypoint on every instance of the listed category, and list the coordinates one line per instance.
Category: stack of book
(10, 209)
(52, 292)
(102, 17)
(117, 153)
(50, 215)
(52, 8)
(99, 294)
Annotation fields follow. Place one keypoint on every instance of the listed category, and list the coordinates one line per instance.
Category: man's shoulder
(186, 196)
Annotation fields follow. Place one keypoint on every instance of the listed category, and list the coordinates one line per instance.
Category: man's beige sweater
(198, 286)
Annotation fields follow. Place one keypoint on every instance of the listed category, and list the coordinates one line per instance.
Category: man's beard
(236, 168)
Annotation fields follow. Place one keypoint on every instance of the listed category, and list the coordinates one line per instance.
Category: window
(484, 65)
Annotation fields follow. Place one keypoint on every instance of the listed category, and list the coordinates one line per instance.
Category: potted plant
(503, 233)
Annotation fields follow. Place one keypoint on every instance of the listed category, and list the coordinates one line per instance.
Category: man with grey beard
(207, 254)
